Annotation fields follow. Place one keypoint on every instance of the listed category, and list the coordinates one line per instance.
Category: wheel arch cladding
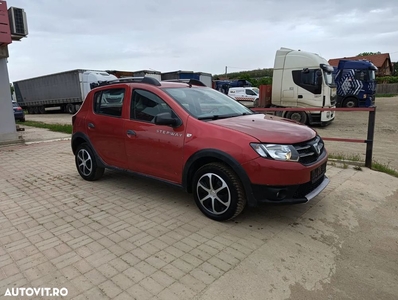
(80, 138)
(206, 156)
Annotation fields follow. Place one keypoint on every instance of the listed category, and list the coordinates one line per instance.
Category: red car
(201, 140)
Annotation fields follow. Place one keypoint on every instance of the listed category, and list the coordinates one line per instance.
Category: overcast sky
(205, 35)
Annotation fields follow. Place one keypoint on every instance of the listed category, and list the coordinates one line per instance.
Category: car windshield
(206, 103)
(15, 104)
(256, 90)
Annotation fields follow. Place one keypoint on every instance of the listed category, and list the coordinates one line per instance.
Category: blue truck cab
(356, 83)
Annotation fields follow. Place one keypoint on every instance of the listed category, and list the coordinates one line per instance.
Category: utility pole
(226, 72)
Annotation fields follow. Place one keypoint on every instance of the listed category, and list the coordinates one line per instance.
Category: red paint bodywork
(163, 151)
(5, 33)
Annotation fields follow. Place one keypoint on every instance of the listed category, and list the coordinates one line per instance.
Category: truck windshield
(207, 103)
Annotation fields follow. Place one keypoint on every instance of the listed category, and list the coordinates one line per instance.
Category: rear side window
(109, 102)
(146, 105)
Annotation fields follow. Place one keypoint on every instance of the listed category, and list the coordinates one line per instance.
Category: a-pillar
(8, 131)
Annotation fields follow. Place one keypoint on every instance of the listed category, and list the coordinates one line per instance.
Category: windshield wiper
(216, 117)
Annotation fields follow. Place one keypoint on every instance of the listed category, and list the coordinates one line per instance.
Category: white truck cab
(248, 96)
(303, 79)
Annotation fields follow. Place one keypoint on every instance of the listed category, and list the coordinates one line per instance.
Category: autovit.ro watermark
(38, 291)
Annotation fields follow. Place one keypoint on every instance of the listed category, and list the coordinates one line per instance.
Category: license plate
(318, 172)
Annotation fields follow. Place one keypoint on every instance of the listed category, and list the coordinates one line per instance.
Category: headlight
(277, 152)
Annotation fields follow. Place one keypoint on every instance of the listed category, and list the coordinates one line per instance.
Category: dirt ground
(346, 125)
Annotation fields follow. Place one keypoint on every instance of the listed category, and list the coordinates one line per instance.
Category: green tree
(11, 88)
(368, 53)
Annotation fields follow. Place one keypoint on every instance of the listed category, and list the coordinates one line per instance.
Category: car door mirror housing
(166, 119)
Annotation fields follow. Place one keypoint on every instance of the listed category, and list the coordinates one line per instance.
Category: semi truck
(356, 83)
(65, 90)
(304, 80)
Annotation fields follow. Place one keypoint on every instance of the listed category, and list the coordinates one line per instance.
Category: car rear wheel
(218, 192)
(86, 164)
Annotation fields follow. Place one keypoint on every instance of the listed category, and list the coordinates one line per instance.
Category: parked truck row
(300, 79)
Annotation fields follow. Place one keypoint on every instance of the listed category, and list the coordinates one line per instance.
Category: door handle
(130, 132)
(300, 96)
(91, 125)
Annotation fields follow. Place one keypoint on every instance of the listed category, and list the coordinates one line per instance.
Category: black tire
(70, 108)
(350, 103)
(298, 116)
(228, 202)
(86, 163)
(42, 110)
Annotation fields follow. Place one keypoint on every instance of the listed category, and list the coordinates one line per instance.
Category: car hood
(269, 129)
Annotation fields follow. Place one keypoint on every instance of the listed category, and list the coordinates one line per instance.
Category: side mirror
(166, 119)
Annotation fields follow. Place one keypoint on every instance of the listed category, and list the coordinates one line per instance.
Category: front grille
(310, 151)
(307, 188)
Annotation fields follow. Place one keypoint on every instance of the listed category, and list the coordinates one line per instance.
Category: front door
(154, 150)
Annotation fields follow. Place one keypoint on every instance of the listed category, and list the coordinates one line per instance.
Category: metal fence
(371, 126)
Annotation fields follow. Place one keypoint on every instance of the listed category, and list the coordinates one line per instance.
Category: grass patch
(64, 128)
(384, 168)
(339, 156)
(376, 166)
(385, 95)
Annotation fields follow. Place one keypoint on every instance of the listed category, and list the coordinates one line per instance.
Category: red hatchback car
(197, 138)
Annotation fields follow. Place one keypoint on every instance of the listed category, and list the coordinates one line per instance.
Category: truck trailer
(356, 83)
(66, 90)
(304, 80)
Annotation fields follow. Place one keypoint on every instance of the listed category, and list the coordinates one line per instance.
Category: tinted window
(146, 105)
(109, 102)
(308, 80)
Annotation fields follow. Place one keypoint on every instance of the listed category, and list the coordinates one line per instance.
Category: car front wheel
(86, 164)
(218, 192)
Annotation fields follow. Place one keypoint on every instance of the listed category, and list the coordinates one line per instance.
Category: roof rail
(188, 81)
(148, 80)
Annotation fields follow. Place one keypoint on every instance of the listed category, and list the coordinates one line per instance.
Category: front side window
(145, 106)
(309, 79)
(109, 102)
(250, 93)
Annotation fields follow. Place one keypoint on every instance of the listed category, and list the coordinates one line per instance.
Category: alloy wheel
(84, 161)
(213, 193)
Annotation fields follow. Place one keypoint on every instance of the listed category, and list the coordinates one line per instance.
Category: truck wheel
(30, 110)
(298, 116)
(70, 108)
(77, 107)
(86, 164)
(218, 192)
(350, 103)
(35, 110)
(42, 110)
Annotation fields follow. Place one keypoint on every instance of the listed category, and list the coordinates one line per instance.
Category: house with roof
(381, 61)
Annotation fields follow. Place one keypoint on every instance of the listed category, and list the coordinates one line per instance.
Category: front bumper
(285, 182)
(292, 194)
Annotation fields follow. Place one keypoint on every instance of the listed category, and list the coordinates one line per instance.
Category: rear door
(154, 150)
(105, 126)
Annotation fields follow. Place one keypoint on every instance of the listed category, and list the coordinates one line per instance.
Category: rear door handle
(130, 132)
(300, 96)
(91, 125)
